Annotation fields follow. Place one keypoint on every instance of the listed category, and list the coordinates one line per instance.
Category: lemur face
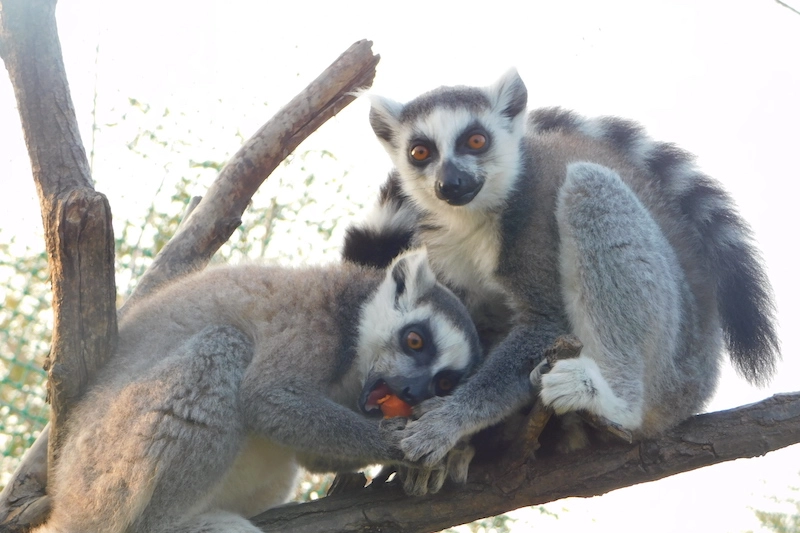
(456, 145)
(416, 339)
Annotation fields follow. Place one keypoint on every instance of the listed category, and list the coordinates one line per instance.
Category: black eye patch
(416, 341)
(421, 151)
(445, 381)
(475, 139)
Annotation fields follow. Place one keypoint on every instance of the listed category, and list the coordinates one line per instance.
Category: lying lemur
(226, 380)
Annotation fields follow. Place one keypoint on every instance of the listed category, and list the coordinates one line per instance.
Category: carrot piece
(392, 406)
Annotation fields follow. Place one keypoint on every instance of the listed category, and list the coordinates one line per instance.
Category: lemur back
(225, 381)
(574, 225)
(699, 218)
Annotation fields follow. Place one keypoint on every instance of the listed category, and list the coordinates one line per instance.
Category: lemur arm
(325, 433)
(500, 387)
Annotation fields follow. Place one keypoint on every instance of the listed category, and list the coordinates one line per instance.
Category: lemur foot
(423, 480)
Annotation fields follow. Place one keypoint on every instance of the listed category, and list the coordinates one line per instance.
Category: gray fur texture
(228, 380)
(553, 224)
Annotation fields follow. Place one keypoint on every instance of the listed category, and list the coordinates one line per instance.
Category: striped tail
(387, 231)
(744, 295)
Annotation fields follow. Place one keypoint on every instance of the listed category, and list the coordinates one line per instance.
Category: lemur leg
(621, 287)
(190, 432)
(146, 453)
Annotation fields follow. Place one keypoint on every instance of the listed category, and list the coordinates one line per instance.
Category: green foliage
(781, 522)
(25, 325)
(313, 487)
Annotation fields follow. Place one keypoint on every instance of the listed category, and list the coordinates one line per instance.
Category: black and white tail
(387, 231)
(744, 296)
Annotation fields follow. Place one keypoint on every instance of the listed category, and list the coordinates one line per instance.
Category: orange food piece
(392, 406)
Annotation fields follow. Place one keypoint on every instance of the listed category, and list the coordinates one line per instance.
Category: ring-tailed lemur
(227, 379)
(574, 225)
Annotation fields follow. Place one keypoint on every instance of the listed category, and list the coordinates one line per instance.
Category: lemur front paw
(568, 386)
(432, 447)
(429, 405)
(428, 439)
(536, 375)
(392, 433)
(578, 385)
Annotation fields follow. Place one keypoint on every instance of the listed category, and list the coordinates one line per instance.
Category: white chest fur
(263, 475)
(464, 249)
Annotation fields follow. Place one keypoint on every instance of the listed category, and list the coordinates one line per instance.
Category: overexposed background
(719, 77)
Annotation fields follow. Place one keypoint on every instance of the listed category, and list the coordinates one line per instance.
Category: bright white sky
(719, 77)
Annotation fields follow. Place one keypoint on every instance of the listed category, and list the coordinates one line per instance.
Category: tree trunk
(77, 219)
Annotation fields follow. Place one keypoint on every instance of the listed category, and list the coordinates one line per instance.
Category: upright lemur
(560, 224)
(226, 380)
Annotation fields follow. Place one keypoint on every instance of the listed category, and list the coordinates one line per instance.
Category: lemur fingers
(578, 385)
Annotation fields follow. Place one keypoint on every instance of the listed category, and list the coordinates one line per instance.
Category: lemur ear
(412, 277)
(384, 117)
(509, 94)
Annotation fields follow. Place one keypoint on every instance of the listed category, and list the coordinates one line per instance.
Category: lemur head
(416, 339)
(460, 145)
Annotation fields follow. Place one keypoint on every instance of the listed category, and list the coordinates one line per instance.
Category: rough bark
(23, 500)
(520, 481)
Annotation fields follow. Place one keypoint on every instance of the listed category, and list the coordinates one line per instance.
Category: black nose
(455, 186)
(415, 390)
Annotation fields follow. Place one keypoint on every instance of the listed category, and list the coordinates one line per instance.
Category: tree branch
(213, 221)
(787, 6)
(77, 220)
(518, 481)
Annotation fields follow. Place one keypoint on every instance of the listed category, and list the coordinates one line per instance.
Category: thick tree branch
(77, 220)
(216, 217)
(519, 481)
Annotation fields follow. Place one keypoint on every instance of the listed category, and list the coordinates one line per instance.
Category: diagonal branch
(787, 6)
(219, 213)
(518, 481)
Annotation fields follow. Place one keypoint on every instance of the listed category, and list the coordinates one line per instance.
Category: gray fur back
(744, 298)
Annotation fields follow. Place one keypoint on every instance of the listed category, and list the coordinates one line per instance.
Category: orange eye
(476, 141)
(414, 341)
(444, 385)
(420, 152)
